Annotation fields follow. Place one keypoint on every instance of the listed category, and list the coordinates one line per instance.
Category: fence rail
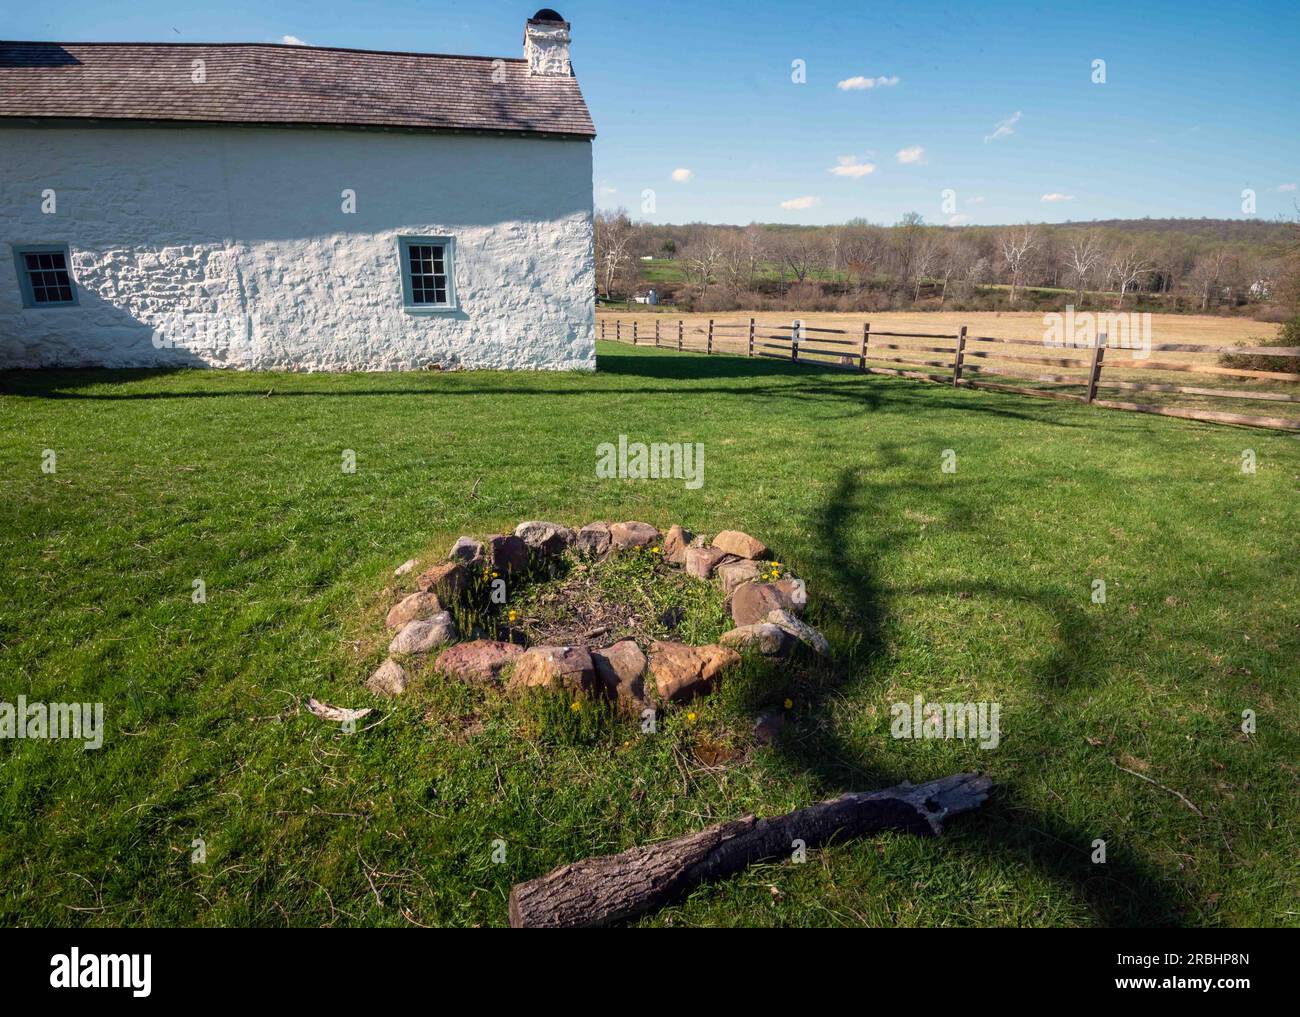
(970, 361)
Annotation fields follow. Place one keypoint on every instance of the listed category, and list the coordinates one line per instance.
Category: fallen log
(612, 888)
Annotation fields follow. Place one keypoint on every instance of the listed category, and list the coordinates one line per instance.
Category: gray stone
(466, 550)
(543, 537)
(802, 631)
(389, 679)
(592, 539)
(771, 640)
(423, 635)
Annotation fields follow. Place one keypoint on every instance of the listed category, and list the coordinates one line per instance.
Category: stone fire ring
(766, 615)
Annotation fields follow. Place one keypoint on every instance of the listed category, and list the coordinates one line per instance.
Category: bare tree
(742, 254)
(799, 251)
(906, 236)
(614, 236)
(703, 256)
(1017, 249)
(1127, 268)
(924, 259)
(862, 250)
(1082, 259)
(955, 260)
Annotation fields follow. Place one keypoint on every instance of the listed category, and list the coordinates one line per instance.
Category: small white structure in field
(293, 207)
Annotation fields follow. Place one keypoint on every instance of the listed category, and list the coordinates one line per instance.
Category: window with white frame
(428, 280)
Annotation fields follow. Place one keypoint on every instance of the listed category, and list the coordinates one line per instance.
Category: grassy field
(967, 586)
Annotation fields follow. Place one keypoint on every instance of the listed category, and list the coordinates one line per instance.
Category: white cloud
(606, 191)
(850, 166)
(1004, 128)
(977, 200)
(1286, 187)
(682, 175)
(960, 219)
(915, 154)
(292, 40)
(859, 83)
(1057, 196)
(797, 204)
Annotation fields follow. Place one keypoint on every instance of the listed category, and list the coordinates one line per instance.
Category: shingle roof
(257, 83)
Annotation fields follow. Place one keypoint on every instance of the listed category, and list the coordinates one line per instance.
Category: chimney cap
(546, 14)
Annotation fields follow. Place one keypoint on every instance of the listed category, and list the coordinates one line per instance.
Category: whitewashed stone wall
(230, 247)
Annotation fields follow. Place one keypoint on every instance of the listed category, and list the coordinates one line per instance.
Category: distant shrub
(719, 298)
(1274, 314)
(1288, 336)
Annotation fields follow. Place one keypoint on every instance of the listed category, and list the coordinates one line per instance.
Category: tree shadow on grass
(1126, 891)
(678, 375)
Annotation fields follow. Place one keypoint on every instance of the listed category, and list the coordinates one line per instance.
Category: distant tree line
(1169, 265)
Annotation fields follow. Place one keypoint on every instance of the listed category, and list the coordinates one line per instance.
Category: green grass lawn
(969, 586)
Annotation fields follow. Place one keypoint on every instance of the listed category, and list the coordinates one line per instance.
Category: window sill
(429, 308)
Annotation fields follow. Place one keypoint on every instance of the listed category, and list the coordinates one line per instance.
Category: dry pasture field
(1049, 369)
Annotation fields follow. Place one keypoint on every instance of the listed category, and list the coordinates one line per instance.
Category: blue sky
(1201, 100)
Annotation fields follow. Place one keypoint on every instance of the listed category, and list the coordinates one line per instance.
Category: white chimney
(546, 44)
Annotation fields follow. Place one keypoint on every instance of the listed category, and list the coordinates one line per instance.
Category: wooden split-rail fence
(985, 362)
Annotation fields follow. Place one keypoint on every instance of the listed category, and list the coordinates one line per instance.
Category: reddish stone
(478, 660)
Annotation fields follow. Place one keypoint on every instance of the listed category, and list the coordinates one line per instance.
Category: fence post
(602, 328)
(751, 338)
(709, 347)
(679, 335)
(1098, 353)
(794, 341)
(656, 333)
(862, 355)
(618, 329)
(633, 331)
(959, 357)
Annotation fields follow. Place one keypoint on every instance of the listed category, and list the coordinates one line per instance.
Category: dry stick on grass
(612, 888)
(1181, 797)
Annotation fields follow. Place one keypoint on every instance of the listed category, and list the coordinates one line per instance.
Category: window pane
(48, 278)
(427, 275)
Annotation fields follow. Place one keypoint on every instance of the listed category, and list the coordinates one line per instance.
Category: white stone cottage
(295, 208)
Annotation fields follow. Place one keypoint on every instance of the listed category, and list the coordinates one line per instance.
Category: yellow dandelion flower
(789, 704)
(575, 707)
(513, 615)
(691, 717)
